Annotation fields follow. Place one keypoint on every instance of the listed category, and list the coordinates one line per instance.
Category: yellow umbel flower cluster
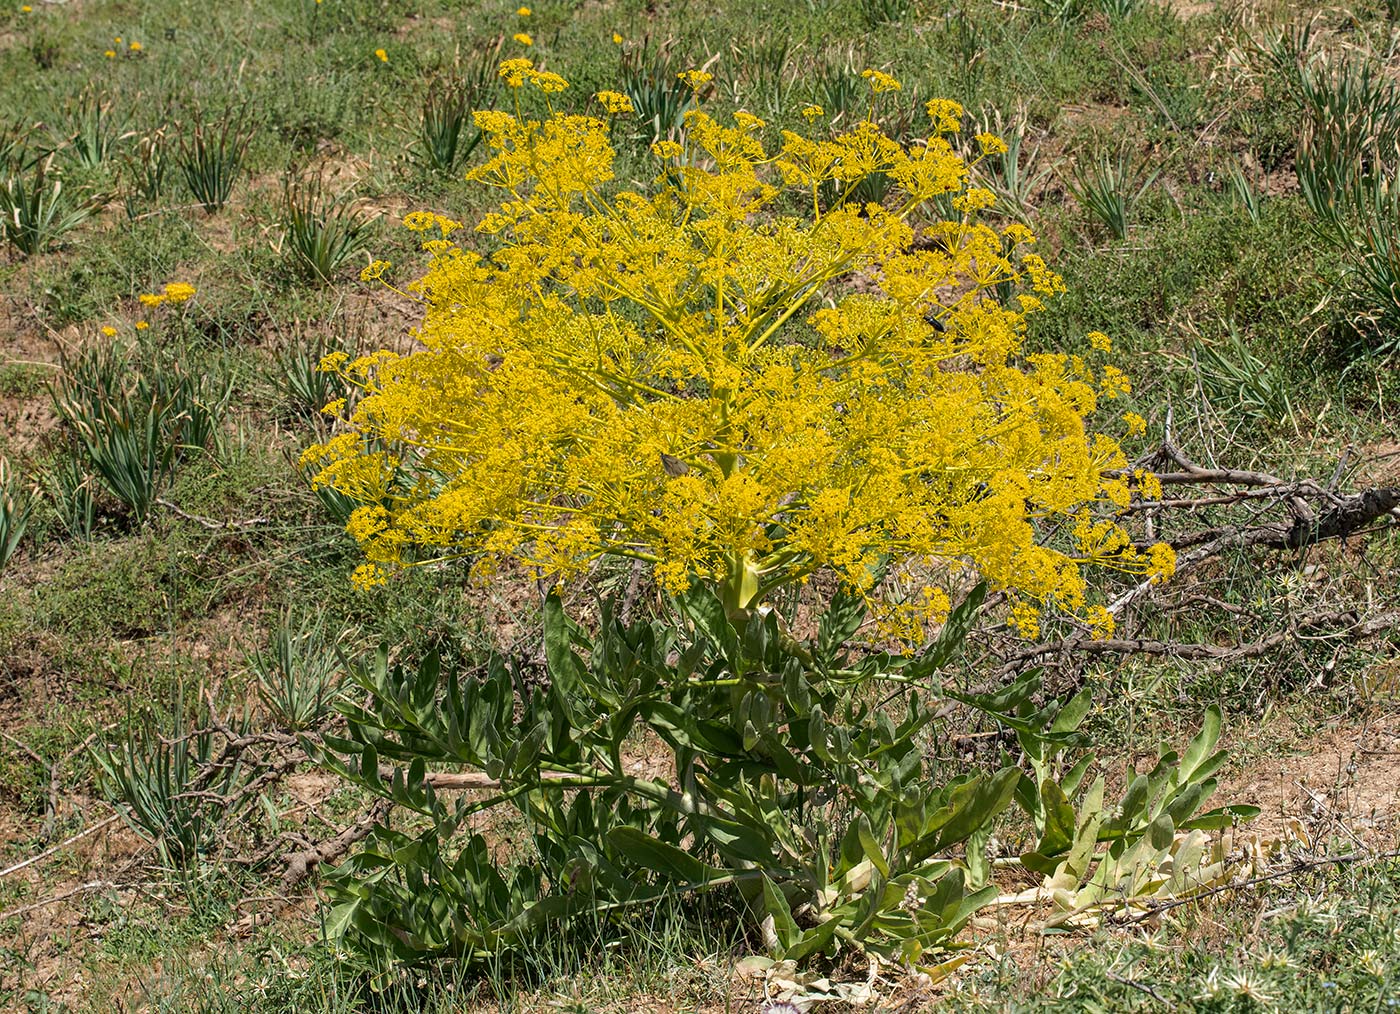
(735, 374)
(174, 292)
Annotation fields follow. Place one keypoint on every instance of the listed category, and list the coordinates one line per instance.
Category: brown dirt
(1379, 464)
(25, 422)
(1344, 783)
(1188, 9)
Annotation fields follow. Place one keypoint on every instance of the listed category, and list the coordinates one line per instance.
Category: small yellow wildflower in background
(812, 112)
(615, 388)
(617, 39)
(523, 38)
(173, 292)
(109, 331)
(26, 9)
(880, 81)
(524, 12)
(141, 325)
(1137, 425)
(110, 54)
(135, 47)
(1100, 341)
(383, 56)
(118, 40)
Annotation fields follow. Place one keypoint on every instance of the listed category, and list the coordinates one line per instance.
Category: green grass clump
(1324, 941)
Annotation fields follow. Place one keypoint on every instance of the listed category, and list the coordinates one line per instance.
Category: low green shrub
(798, 775)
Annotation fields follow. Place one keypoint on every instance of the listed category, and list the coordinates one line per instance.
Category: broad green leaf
(340, 918)
(1059, 819)
(1074, 711)
(565, 667)
(783, 925)
(680, 727)
(1223, 817)
(1204, 742)
(871, 847)
(656, 855)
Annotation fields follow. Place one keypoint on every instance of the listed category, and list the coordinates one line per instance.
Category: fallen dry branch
(1312, 512)
(92, 885)
(1310, 524)
(300, 865)
(1342, 622)
(1299, 865)
(466, 781)
(53, 850)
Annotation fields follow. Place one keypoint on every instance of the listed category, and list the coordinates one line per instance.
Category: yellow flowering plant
(729, 380)
(740, 385)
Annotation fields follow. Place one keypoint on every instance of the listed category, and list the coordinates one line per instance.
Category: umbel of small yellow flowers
(703, 376)
(173, 292)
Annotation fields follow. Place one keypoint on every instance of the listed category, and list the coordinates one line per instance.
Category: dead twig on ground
(1314, 513)
(300, 865)
(54, 850)
(1296, 867)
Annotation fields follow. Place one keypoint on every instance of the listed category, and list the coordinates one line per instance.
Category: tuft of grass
(879, 13)
(72, 491)
(306, 388)
(1240, 384)
(1109, 190)
(144, 172)
(161, 777)
(211, 159)
(1017, 175)
(766, 76)
(34, 214)
(446, 134)
(91, 131)
(133, 427)
(1325, 939)
(839, 89)
(323, 232)
(659, 98)
(297, 671)
(1246, 197)
(16, 508)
